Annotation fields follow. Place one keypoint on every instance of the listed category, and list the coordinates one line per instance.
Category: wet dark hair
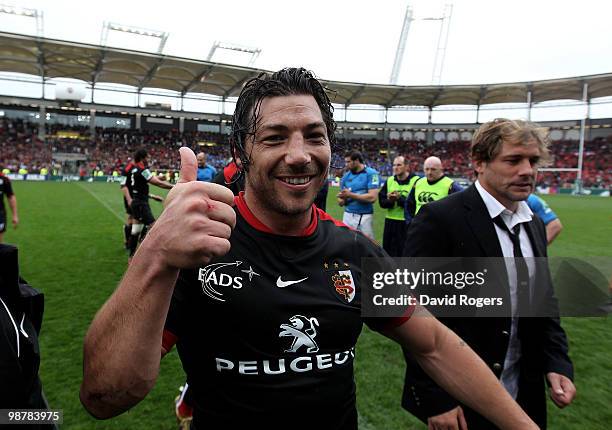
(285, 82)
(140, 155)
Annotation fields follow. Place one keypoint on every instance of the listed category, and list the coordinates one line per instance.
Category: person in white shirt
(492, 219)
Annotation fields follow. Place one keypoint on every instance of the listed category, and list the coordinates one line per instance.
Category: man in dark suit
(492, 219)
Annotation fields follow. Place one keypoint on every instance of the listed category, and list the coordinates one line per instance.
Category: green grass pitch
(70, 245)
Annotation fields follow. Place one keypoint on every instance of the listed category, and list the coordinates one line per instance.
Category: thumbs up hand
(189, 166)
(197, 220)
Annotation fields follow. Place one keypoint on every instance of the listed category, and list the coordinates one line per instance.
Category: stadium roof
(94, 64)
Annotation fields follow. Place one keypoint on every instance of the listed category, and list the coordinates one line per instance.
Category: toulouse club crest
(344, 284)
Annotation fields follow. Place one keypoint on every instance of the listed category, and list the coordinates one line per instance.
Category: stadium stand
(108, 151)
(110, 148)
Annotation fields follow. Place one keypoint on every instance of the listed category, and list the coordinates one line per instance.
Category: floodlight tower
(440, 49)
(137, 31)
(237, 48)
(26, 12)
(108, 26)
(401, 46)
(233, 47)
(436, 75)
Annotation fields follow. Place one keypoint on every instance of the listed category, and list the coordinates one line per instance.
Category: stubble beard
(266, 194)
(516, 197)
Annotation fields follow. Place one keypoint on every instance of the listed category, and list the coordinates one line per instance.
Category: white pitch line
(103, 203)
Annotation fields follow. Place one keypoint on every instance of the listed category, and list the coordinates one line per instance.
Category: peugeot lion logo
(303, 331)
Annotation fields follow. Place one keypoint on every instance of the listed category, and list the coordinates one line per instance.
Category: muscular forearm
(468, 380)
(122, 346)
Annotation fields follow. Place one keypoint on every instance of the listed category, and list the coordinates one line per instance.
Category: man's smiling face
(289, 154)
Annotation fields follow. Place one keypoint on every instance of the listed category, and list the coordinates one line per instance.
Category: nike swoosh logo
(282, 284)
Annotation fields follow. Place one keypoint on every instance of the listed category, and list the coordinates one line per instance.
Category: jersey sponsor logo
(280, 366)
(282, 284)
(212, 277)
(426, 196)
(303, 330)
(251, 273)
(344, 284)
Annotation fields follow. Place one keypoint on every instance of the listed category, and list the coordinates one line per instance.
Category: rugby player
(552, 223)
(358, 192)
(264, 301)
(127, 202)
(137, 179)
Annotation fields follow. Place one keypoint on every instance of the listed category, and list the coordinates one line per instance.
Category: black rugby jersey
(6, 189)
(231, 177)
(137, 178)
(267, 333)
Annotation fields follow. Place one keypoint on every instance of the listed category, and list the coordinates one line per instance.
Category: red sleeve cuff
(168, 340)
(398, 321)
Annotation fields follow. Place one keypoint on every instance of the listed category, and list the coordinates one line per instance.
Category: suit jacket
(460, 226)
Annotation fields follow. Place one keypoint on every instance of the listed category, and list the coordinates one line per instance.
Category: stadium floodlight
(440, 48)
(436, 75)
(112, 26)
(233, 47)
(401, 46)
(25, 12)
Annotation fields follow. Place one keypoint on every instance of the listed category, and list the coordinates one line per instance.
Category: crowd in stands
(597, 159)
(109, 150)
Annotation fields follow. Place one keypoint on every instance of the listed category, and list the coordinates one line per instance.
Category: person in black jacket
(21, 314)
(522, 352)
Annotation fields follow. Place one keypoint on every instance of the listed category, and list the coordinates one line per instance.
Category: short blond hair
(488, 139)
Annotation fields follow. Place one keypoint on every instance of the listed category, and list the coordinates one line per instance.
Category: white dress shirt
(511, 372)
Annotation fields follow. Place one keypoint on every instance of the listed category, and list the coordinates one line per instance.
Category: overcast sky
(355, 40)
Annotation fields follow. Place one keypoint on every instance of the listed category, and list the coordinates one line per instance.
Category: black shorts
(128, 209)
(142, 212)
(2, 221)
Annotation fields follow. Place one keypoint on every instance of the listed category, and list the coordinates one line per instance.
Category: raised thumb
(189, 165)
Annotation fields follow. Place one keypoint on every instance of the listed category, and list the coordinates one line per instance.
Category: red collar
(229, 171)
(250, 218)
